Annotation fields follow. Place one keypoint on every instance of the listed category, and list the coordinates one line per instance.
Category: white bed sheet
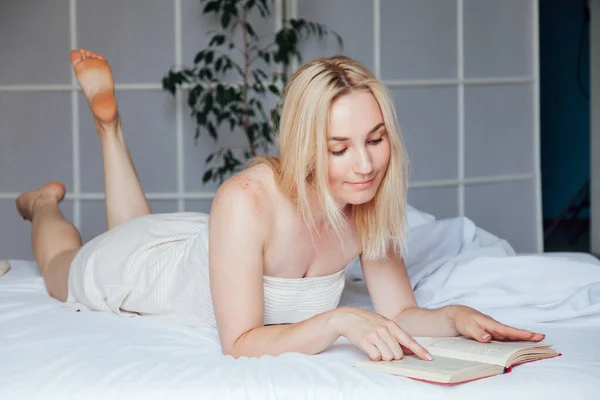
(50, 350)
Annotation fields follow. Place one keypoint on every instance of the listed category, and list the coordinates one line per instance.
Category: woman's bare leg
(125, 198)
(55, 240)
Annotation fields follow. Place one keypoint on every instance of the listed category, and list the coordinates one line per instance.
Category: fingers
(411, 344)
(372, 351)
(507, 332)
(382, 339)
(476, 332)
(392, 344)
(500, 331)
(384, 349)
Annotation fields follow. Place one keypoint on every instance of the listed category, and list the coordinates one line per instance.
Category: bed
(53, 350)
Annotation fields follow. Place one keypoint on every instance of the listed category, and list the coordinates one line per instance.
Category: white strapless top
(289, 300)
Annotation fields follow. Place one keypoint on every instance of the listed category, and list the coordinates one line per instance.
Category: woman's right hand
(379, 337)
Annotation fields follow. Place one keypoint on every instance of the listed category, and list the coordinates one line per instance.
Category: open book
(457, 359)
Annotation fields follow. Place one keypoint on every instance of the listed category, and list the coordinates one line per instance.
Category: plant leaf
(212, 131)
(199, 57)
(207, 175)
(218, 40)
(274, 89)
(221, 95)
(218, 64)
(251, 31)
(211, 6)
(167, 84)
(225, 18)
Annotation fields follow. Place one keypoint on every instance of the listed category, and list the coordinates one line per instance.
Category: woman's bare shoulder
(251, 187)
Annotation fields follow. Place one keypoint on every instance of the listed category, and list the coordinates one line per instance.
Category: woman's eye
(371, 142)
(339, 152)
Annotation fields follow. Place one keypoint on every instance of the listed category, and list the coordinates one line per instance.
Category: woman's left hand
(473, 324)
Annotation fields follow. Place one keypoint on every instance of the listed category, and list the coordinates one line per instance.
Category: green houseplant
(228, 95)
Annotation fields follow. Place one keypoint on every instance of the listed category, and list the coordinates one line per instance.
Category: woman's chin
(360, 198)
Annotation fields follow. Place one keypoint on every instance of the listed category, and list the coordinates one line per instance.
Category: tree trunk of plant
(246, 67)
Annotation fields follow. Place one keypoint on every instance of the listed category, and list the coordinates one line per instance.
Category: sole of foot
(96, 81)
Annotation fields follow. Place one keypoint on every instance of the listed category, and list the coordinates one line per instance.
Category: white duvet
(454, 262)
(48, 350)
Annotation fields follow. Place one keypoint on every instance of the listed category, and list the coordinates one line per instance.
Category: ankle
(109, 130)
(43, 201)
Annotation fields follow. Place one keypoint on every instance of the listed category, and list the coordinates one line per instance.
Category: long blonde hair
(303, 156)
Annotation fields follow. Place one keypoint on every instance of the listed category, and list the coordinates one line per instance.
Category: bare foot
(51, 191)
(95, 78)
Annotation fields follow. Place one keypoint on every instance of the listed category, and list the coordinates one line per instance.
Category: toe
(75, 56)
(95, 55)
(23, 202)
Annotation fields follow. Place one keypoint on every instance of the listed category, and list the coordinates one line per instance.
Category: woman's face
(358, 146)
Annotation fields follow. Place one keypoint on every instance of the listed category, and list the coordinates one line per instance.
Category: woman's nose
(364, 164)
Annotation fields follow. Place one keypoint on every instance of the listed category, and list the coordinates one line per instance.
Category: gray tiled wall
(418, 41)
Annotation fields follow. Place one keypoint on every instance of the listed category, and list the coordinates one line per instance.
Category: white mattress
(49, 350)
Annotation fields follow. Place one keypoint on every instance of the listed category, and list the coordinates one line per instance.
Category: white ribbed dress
(157, 265)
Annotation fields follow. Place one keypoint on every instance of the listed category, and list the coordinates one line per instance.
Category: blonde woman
(267, 270)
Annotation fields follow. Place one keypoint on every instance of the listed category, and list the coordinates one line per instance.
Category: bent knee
(56, 275)
(57, 286)
(57, 293)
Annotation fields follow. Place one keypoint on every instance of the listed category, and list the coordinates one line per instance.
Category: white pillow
(416, 217)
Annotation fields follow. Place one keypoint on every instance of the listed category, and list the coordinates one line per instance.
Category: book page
(439, 365)
(441, 369)
(469, 349)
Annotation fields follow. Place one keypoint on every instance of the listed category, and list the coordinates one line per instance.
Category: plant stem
(245, 77)
(258, 52)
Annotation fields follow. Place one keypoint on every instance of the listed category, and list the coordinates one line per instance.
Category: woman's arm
(393, 297)
(307, 337)
(239, 226)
